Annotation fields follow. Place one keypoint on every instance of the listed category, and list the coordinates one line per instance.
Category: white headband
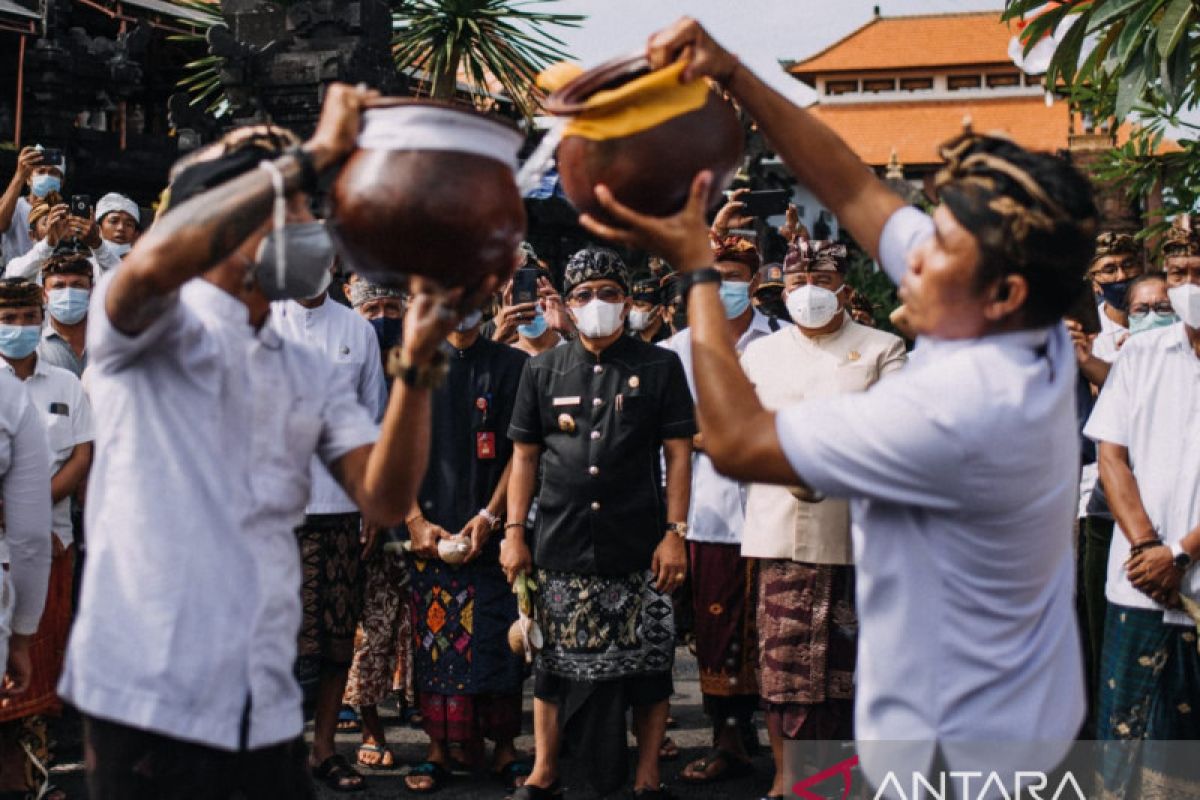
(118, 202)
(421, 127)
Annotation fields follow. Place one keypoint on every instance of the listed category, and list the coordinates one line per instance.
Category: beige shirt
(787, 367)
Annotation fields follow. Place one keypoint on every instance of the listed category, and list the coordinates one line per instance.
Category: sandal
(668, 750)
(348, 720)
(510, 773)
(386, 758)
(436, 773)
(552, 792)
(729, 767)
(336, 773)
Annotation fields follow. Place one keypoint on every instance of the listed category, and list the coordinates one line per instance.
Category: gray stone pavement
(692, 734)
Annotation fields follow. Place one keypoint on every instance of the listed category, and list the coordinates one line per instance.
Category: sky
(760, 32)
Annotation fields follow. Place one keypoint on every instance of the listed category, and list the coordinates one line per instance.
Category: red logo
(800, 789)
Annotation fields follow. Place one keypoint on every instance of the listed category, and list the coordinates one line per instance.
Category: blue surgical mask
(18, 341)
(469, 321)
(42, 185)
(68, 305)
(735, 295)
(1139, 323)
(1115, 294)
(388, 331)
(535, 328)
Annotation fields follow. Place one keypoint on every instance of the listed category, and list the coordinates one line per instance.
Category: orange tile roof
(934, 40)
(915, 129)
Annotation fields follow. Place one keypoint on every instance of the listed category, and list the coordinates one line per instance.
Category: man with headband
(961, 468)
(181, 657)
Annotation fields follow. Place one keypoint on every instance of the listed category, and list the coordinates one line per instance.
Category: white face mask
(1186, 302)
(599, 319)
(812, 306)
(639, 319)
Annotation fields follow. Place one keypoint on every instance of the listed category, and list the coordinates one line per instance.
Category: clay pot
(643, 134)
(429, 192)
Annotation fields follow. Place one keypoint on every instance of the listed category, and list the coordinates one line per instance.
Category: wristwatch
(680, 529)
(424, 376)
(1183, 561)
(690, 279)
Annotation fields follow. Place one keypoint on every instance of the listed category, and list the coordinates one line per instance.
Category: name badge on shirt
(61, 409)
(485, 445)
(567, 401)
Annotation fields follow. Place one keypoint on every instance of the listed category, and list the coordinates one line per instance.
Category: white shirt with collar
(350, 344)
(191, 595)
(961, 470)
(1151, 405)
(59, 398)
(718, 503)
(25, 490)
(15, 241)
(29, 265)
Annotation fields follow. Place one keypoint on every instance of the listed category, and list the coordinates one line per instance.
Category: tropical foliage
(1120, 59)
(505, 42)
(203, 79)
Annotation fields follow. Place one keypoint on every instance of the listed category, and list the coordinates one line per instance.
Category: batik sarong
(723, 596)
(808, 637)
(383, 650)
(1149, 694)
(48, 646)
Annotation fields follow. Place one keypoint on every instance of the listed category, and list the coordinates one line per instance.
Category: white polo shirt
(350, 344)
(25, 490)
(1151, 405)
(191, 593)
(718, 504)
(59, 398)
(961, 470)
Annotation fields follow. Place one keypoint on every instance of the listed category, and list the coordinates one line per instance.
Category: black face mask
(389, 331)
(1116, 294)
(772, 305)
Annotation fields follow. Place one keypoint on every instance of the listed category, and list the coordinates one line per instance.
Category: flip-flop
(348, 720)
(437, 774)
(335, 770)
(552, 792)
(668, 750)
(510, 772)
(387, 759)
(734, 768)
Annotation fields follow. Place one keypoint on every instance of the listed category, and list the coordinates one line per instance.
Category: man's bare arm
(678, 455)
(1124, 497)
(72, 473)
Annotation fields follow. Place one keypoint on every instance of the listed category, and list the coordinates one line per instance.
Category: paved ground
(692, 734)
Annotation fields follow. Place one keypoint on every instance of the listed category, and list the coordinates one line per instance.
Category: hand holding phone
(81, 206)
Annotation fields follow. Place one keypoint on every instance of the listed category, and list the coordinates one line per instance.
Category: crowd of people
(298, 494)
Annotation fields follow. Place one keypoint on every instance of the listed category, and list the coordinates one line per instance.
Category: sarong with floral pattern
(601, 627)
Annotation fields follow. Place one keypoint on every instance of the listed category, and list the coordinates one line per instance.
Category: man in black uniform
(468, 680)
(646, 318)
(608, 554)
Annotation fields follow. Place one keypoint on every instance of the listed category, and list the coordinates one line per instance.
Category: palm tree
(501, 41)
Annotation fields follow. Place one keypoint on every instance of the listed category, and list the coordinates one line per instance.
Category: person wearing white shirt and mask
(806, 613)
(120, 222)
(41, 172)
(961, 469)
(1147, 428)
(181, 657)
(67, 285)
(722, 582)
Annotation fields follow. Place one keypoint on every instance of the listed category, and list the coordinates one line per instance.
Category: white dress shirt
(16, 241)
(350, 344)
(191, 593)
(717, 503)
(962, 472)
(25, 532)
(29, 265)
(1151, 405)
(65, 411)
(786, 368)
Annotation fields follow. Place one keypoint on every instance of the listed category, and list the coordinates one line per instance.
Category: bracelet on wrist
(309, 178)
(491, 519)
(520, 525)
(691, 279)
(413, 519)
(418, 376)
(1145, 544)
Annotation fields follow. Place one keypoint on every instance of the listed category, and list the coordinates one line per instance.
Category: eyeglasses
(607, 294)
(1145, 308)
(1131, 269)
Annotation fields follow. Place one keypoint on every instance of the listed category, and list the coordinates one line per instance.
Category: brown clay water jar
(430, 192)
(643, 134)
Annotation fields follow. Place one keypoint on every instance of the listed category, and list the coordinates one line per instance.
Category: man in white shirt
(67, 285)
(807, 624)
(59, 399)
(722, 582)
(330, 550)
(962, 468)
(43, 178)
(55, 232)
(181, 656)
(1147, 427)
(120, 222)
(25, 536)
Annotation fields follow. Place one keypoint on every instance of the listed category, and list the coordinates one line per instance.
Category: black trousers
(125, 763)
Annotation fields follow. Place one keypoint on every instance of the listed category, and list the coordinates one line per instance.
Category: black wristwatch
(690, 279)
(423, 376)
(1183, 561)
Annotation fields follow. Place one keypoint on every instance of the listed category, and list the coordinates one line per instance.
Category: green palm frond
(488, 42)
(202, 78)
